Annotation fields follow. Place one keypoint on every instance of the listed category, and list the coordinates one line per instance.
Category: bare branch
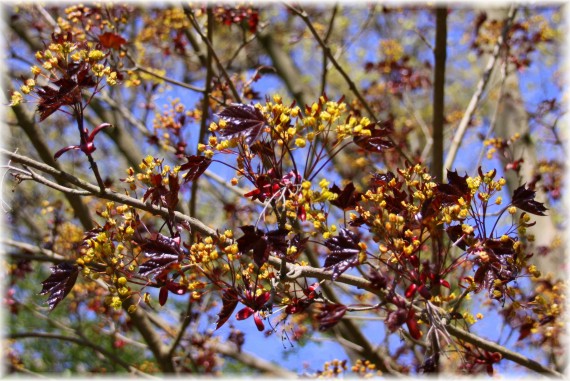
(37, 138)
(506, 353)
(37, 253)
(440, 54)
(108, 195)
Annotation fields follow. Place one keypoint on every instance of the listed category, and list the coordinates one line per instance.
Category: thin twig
(125, 112)
(496, 112)
(36, 252)
(458, 137)
(190, 15)
(326, 40)
(138, 67)
(205, 103)
(109, 195)
(351, 85)
(42, 180)
(506, 353)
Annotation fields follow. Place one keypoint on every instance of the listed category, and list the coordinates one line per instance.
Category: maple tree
(195, 211)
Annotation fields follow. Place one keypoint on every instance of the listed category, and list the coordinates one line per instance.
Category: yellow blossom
(96, 55)
(16, 98)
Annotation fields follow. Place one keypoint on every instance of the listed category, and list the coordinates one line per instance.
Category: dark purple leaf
(344, 252)
(381, 179)
(428, 212)
(455, 232)
(455, 189)
(59, 283)
(378, 280)
(258, 322)
(377, 141)
(49, 101)
(195, 166)
(330, 315)
(244, 313)
(163, 296)
(162, 252)
(171, 197)
(156, 191)
(499, 246)
(347, 198)
(229, 301)
(67, 91)
(111, 40)
(242, 120)
(524, 199)
(262, 244)
(525, 330)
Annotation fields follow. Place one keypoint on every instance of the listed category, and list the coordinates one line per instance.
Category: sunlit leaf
(111, 40)
(242, 120)
(162, 253)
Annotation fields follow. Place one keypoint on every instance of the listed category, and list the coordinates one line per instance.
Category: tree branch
(506, 353)
(294, 272)
(151, 337)
(190, 15)
(37, 138)
(205, 104)
(36, 253)
(440, 54)
(108, 195)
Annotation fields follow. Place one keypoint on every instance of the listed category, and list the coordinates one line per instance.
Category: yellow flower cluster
(159, 25)
(58, 55)
(80, 19)
(55, 60)
(333, 368)
(549, 305)
(495, 144)
(150, 166)
(168, 123)
(365, 369)
(203, 251)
